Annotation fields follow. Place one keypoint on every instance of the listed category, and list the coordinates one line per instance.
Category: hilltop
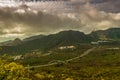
(63, 38)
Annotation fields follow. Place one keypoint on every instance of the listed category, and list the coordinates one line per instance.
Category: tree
(12, 71)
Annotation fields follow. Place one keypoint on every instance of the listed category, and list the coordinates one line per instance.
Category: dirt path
(55, 63)
(82, 55)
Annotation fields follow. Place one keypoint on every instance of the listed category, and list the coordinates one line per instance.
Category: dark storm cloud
(95, 17)
(16, 24)
(107, 5)
(85, 15)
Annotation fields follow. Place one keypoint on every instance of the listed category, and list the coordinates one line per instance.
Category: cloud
(14, 24)
(94, 19)
(86, 16)
(111, 6)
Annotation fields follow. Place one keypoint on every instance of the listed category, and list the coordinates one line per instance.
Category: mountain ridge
(108, 34)
(63, 38)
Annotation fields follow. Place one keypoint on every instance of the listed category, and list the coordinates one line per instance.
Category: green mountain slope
(33, 37)
(63, 38)
(109, 34)
(60, 39)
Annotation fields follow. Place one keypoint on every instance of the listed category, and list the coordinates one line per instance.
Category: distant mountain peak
(17, 40)
(71, 32)
(109, 34)
(63, 38)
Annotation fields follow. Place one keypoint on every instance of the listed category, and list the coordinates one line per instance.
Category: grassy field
(101, 64)
(54, 56)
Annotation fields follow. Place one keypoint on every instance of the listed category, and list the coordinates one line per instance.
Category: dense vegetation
(63, 38)
(12, 71)
(100, 64)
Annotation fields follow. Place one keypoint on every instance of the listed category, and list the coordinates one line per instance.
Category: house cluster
(99, 42)
(67, 47)
(113, 48)
(18, 57)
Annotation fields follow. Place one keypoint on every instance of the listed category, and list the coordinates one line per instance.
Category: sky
(81, 15)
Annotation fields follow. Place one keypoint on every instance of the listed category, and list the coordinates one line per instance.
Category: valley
(99, 64)
(59, 40)
(67, 55)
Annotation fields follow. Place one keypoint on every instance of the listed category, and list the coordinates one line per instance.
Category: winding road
(55, 63)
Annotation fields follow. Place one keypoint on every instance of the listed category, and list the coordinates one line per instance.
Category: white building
(67, 47)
